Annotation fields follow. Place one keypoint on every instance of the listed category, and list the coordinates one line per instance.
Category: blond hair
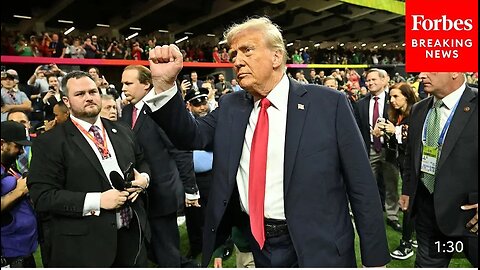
(271, 32)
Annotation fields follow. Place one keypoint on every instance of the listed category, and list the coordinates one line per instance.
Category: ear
(66, 101)
(147, 87)
(455, 75)
(277, 58)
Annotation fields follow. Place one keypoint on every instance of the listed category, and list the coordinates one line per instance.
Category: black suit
(63, 170)
(166, 192)
(456, 178)
(315, 197)
(385, 172)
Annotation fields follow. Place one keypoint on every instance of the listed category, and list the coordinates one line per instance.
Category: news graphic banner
(441, 36)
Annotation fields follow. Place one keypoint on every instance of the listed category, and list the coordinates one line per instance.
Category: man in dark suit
(297, 202)
(373, 107)
(71, 179)
(441, 170)
(169, 168)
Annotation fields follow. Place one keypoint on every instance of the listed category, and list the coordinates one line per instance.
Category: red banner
(441, 36)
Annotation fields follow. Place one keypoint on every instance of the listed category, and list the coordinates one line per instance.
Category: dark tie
(96, 133)
(134, 116)
(125, 212)
(258, 170)
(433, 134)
(377, 144)
(12, 95)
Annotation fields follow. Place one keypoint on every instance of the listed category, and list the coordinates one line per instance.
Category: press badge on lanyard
(431, 154)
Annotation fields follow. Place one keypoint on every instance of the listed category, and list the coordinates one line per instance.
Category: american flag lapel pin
(300, 106)
(114, 130)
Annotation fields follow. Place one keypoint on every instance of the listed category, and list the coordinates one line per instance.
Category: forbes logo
(442, 24)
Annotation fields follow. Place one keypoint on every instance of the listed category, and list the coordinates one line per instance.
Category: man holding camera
(368, 111)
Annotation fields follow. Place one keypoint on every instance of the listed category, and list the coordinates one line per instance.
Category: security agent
(197, 102)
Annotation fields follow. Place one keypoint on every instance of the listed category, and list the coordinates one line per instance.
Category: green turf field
(393, 241)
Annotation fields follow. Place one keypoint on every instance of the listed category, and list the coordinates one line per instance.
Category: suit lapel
(417, 124)
(117, 143)
(127, 114)
(364, 112)
(459, 120)
(295, 120)
(239, 116)
(84, 147)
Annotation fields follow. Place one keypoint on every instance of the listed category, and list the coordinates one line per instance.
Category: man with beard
(19, 225)
(97, 220)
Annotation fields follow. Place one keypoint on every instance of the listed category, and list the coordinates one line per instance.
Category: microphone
(117, 180)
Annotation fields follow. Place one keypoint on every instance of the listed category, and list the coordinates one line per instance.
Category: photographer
(114, 51)
(39, 77)
(12, 98)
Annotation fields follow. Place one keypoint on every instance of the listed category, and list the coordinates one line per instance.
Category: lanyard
(441, 139)
(103, 148)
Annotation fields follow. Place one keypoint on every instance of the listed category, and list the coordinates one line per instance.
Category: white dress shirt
(277, 114)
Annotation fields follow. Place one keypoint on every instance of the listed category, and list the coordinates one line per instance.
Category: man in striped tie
(440, 184)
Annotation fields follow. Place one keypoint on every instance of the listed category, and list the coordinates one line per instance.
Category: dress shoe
(395, 225)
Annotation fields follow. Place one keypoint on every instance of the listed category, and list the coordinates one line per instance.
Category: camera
(381, 120)
(114, 43)
(186, 77)
(45, 67)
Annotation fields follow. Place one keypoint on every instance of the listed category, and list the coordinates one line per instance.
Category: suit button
(213, 229)
(114, 225)
(224, 202)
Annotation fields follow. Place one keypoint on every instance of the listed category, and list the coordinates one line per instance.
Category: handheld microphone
(117, 180)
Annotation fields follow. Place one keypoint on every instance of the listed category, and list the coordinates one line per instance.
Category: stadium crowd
(362, 130)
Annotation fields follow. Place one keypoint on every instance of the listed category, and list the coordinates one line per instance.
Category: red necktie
(377, 144)
(134, 116)
(258, 170)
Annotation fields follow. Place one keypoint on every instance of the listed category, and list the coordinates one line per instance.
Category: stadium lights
(364, 44)
(355, 46)
(316, 45)
(210, 35)
(188, 33)
(403, 44)
(182, 39)
(132, 36)
(222, 42)
(384, 44)
(65, 21)
(289, 44)
(135, 28)
(342, 44)
(375, 47)
(103, 25)
(22, 17)
(69, 30)
(163, 31)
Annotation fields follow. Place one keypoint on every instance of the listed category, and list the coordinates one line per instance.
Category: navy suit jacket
(363, 120)
(64, 169)
(325, 160)
(169, 166)
(456, 181)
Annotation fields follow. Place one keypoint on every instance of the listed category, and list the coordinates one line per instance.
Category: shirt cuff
(147, 177)
(91, 205)
(194, 196)
(156, 101)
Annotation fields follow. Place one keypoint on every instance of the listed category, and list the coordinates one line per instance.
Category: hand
(113, 199)
(6, 108)
(193, 203)
(377, 132)
(389, 127)
(22, 185)
(165, 64)
(404, 202)
(138, 185)
(473, 223)
(185, 85)
(50, 124)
